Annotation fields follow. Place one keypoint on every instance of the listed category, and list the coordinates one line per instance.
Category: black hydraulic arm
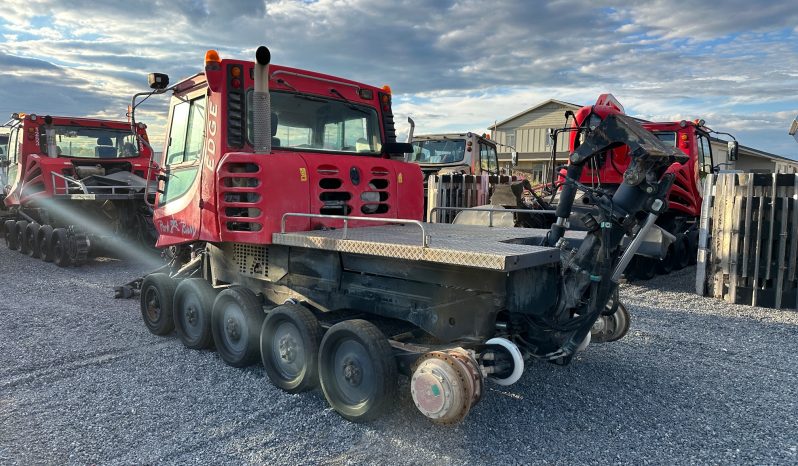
(646, 151)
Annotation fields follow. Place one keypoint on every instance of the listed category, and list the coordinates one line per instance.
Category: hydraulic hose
(567, 197)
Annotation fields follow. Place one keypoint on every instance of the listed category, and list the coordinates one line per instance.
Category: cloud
(453, 65)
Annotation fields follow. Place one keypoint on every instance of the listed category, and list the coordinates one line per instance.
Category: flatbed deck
(496, 248)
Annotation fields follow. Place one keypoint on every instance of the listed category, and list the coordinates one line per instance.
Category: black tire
(357, 370)
(30, 239)
(44, 238)
(59, 248)
(682, 256)
(646, 268)
(692, 246)
(10, 234)
(289, 348)
(236, 322)
(193, 308)
(665, 265)
(22, 226)
(613, 327)
(157, 294)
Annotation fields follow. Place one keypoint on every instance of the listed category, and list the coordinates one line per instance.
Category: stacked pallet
(459, 191)
(748, 241)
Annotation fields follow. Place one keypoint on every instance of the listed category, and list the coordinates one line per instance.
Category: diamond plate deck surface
(466, 245)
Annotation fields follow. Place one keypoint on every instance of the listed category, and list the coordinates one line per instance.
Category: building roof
(758, 153)
(530, 109)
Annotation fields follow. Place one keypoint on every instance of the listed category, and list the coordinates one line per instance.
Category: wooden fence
(748, 241)
(459, 191)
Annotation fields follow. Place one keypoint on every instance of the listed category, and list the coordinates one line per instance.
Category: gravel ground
(82, 381)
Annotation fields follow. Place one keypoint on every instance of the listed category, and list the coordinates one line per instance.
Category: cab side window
(487, 159)
(186, 133)
(704, 154)
(186, 141)
(12, 157)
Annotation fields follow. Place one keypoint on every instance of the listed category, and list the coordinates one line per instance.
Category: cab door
(9, 168)
(178, 214)
(489, 163)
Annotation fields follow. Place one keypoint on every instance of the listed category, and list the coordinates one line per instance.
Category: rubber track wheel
(157, 295)
(30, 239)
(199, 295)
(248, 328)
(44, 239)
(646, 268)
(58, 248)
(22, 225)
(310, 333)
(11, 235)
(682, 257)
(665, 265)
(628, 321)
(382, 361)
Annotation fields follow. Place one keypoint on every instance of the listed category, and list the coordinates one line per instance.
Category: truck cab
(332, 151)
(462, 153)
(51, 156)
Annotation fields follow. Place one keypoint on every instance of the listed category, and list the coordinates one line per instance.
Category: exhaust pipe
(410, 135)
(49, 132)
(262, 104)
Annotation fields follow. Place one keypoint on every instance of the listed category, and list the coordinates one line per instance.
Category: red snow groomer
(301, 246)
(74, 187)
(607, 170)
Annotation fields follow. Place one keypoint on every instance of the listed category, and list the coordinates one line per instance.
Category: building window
(510, 137)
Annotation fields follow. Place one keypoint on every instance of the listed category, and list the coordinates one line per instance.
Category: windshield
(310, 122)
(92, 143)
(667, 137)
(438, 151)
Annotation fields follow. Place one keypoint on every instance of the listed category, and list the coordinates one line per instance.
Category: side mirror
(514, 158)
(158, 81)
(731, 151)
(397, 148)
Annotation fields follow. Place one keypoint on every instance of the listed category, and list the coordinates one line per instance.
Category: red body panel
(34, 179)
(685, 195)
(240, 196)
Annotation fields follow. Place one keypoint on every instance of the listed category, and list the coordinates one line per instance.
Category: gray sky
(452, 65)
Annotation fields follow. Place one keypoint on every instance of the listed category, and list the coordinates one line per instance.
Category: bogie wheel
(611, 327)
(59, 248)
(44, 240)
(31, 230)
(11, 235)
(357, 370)
(193, 306)
(236, 322)
(681, 251)
(692, 247)
(665, 265)
(289, 348)
(22, 227)
(157, 293)
(645, 268)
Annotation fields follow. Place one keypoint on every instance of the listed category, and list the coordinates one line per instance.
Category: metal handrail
(491, 211)
(67, 181)
(424, 236)
(83, 188)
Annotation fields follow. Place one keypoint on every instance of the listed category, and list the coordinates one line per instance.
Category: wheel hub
(191, 315)
(153, 307)
(232, 328)
(288, 349)
(352, 372)
(599, 325)
(445, 385)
